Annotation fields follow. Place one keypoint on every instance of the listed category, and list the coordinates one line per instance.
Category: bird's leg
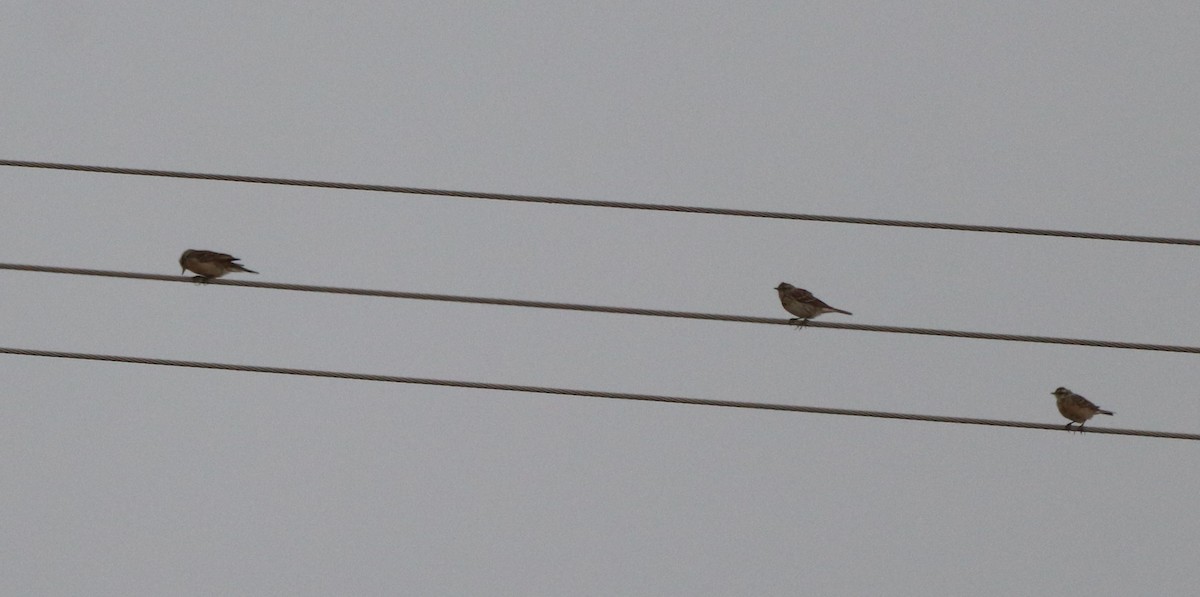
(1068, 427)
(799, 323)
(200, 279)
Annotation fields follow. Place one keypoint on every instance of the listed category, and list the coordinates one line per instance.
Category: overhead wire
(606, 309)
(597, 308)
(582, 393)
(601, 203)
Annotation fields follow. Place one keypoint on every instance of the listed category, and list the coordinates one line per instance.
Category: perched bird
(1076, 407)
(803, 304)
(209, 264)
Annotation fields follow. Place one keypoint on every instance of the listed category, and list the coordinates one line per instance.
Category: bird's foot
(200, 279)
(799, 323)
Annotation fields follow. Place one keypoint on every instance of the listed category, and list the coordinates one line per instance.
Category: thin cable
(603, 309)
(582, 393)
(597, 203)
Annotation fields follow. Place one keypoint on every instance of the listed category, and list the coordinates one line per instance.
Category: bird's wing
(213, 256)
(801, 294)
(806, 297)
(1084, 402)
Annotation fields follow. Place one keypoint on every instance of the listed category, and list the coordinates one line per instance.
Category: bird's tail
(1105, 412)
(840, 311)
(242, 268)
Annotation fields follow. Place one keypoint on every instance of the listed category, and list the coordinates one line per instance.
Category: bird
(803, 304)
(1076, 408)
(210, 264)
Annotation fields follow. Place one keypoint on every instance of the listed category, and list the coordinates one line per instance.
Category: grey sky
(135, 480)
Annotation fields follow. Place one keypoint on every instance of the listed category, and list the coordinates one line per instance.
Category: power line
(600, 203)
(582, 393)
(604, 309)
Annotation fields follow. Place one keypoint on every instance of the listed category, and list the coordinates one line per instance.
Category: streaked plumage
(802, 303)
(1076, 408)
(210, 264)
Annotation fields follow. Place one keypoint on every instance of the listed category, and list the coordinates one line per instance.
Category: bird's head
(1060, 392)
(183, 258)
(784, 286)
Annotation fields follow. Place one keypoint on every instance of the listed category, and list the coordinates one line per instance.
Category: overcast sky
(138, 480)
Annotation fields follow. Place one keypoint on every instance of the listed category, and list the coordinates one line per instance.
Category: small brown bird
(1076, 407)
(803, 304)
(209, 264)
